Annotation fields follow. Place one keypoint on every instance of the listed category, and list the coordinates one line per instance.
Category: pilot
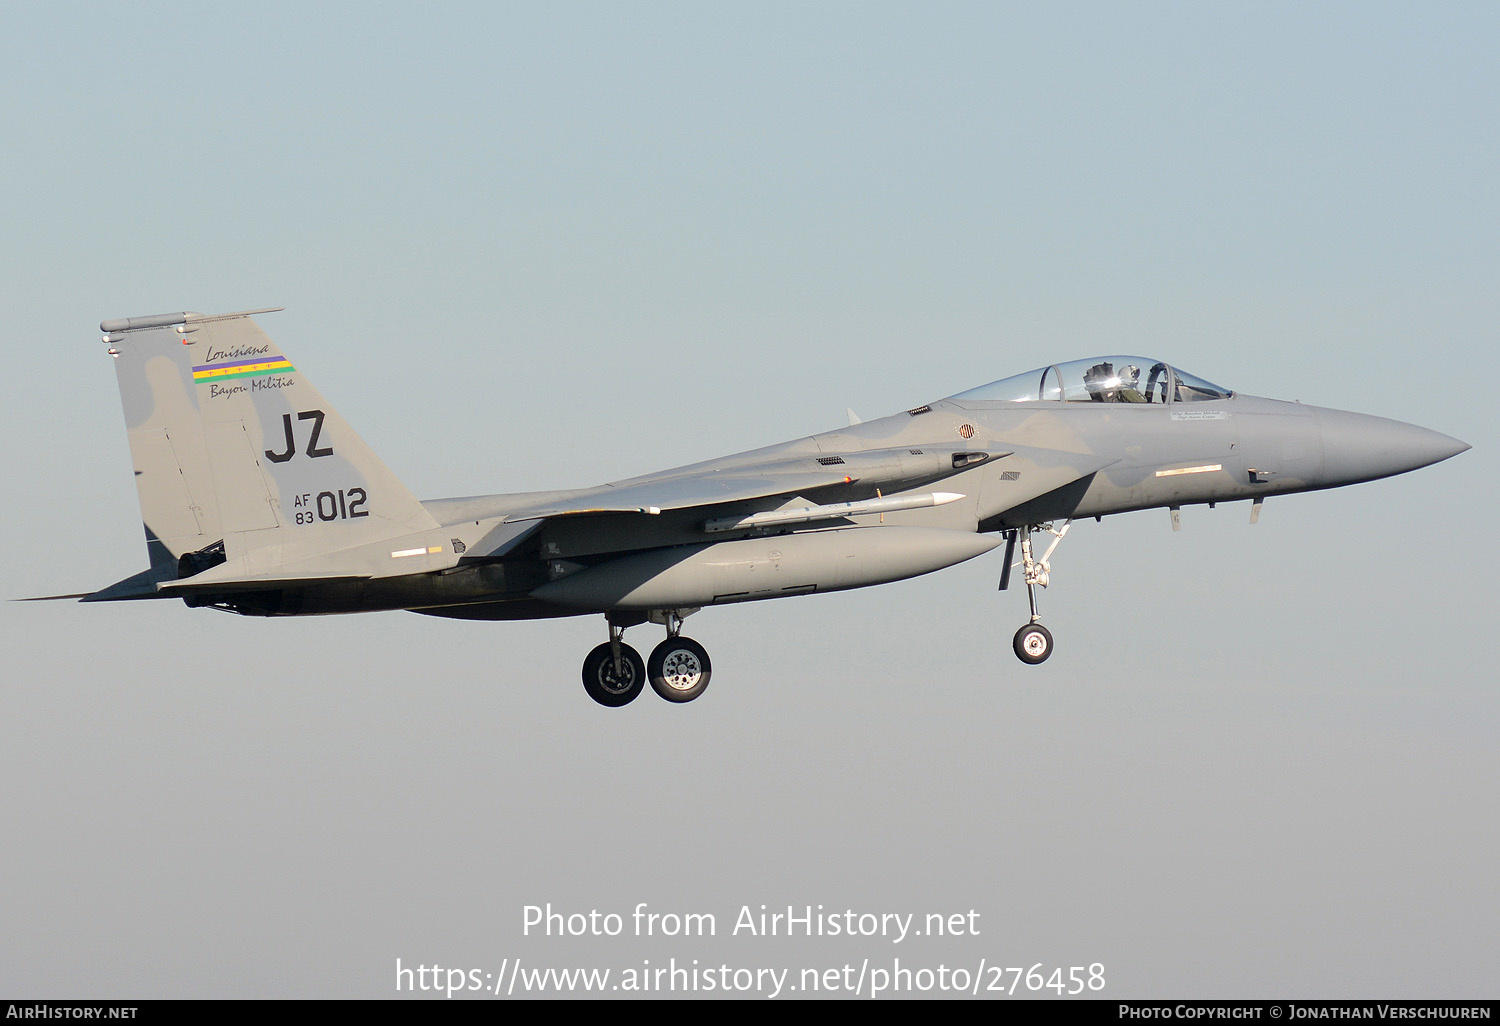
(1130, 381)
(1099, 380)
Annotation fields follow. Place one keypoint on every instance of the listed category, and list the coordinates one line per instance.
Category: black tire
(1033, 644)
(679, 669)
(601, 682)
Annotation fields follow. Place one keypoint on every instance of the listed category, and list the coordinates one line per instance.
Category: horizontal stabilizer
(137, 586)
(258, 582)
(144, 585)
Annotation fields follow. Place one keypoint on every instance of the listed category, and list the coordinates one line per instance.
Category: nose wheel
(1033, 642)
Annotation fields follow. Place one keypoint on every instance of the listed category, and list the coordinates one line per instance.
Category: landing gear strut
(1033, 642)
(614, 673)
(679, 668)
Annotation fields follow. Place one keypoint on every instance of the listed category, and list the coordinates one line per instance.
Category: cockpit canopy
(1101, 379)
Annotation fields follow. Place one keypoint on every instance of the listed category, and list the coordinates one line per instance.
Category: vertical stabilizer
(239, 459)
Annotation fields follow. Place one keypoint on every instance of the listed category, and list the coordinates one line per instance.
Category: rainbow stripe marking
(253, 368)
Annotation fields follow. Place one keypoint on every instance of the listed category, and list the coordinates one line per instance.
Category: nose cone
(1358, 447)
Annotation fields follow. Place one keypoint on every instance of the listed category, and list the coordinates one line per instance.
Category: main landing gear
(679, 668)
(1033, 642)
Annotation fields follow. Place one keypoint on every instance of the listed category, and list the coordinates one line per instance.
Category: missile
(806, 514)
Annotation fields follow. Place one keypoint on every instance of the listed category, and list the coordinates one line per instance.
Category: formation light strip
(1190, 470)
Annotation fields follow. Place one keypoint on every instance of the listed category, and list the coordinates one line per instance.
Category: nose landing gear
(1033, 642)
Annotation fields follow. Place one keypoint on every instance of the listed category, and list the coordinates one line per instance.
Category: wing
(852, 475)
(763, 487)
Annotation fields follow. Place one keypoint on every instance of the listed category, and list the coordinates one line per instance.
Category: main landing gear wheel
(679, 669)
(608, 685)
(1033, 643)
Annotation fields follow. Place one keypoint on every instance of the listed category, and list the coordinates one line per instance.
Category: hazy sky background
(541, 246)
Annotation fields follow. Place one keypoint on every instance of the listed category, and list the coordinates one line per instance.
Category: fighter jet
(258, 498)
